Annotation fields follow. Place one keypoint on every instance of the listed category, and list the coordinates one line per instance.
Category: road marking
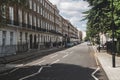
(14, 65)
(32, 74)
(13, 70)
(40, 62)
(16, 68)
(10, 71)
(20, 65)
(54, 56)
(93, 74)
(70, 52)
(65, 55)
(40, 69)
(28, 76)
(98, 68)
(95, 56)
(55, 61)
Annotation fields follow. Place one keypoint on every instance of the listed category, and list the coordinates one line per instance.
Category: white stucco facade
(103, 38)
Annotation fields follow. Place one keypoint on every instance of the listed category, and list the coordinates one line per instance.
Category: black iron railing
(33, 27)
(7, 50)
(22, 47)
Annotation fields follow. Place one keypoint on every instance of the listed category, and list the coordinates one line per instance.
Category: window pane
(11, 38)
(3, 38)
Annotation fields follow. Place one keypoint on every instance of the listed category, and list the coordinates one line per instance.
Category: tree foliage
(100, 17)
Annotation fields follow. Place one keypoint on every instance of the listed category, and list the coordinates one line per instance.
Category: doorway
(35, 42)
(31, 40)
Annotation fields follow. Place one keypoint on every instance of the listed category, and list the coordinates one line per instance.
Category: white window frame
(4, 34)
(35, 21)
(38, 9)
(38, 22)
(20, 16)
(26, 18)
(34, 6)
(30, 3)
(41, 9)
(11, 38)
(30, 16)
(40, 1)
(11, 14)
(21, 34)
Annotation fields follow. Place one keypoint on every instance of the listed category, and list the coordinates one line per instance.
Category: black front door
(35, 42)
(31, 37)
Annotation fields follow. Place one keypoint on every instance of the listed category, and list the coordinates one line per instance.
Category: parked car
(89, 43)
(75, 43)
(70, 44)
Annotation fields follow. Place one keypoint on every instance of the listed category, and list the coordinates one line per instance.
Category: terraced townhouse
(36, 27)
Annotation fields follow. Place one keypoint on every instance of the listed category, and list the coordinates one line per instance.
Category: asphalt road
(75, 63)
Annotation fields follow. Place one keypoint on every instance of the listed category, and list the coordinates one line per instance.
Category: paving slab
(105, 60)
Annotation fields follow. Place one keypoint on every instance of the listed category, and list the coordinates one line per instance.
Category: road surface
(75, 63)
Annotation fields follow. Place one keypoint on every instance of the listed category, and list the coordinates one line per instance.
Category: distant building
(103, 38)
(80, 36)
(83, 35)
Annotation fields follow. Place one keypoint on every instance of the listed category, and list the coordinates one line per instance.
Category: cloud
(72, 10)
(55, 1)
(74, 5)
(74, 20)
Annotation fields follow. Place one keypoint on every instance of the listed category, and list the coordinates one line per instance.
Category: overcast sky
(72, 10)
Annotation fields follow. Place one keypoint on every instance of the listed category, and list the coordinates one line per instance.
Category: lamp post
(113, 38)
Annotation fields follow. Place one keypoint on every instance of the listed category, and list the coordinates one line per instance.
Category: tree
(99, 16)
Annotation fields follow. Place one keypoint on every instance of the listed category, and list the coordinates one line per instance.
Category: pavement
(105, 60)
(4, 66)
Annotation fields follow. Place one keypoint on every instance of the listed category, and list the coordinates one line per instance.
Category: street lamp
(113, 38)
